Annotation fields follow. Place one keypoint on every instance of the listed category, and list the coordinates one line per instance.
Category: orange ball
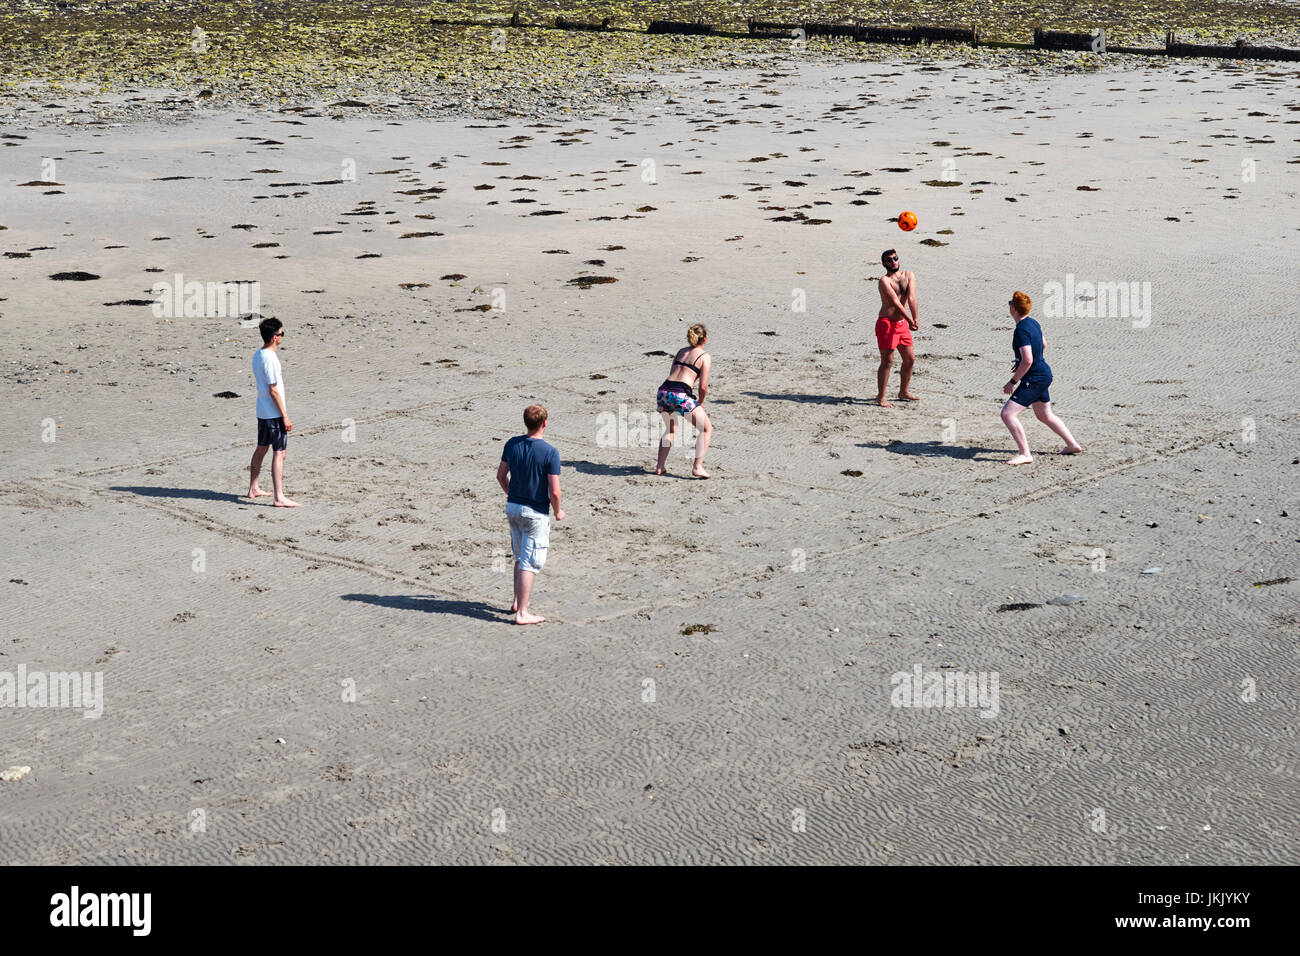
(907, 221)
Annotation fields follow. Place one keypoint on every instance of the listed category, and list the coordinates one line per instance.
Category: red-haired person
(1029, 383)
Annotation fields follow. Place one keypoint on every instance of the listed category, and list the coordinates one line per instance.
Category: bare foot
(907, 397)
(1072, 450)
(661, 471)
(285, 503)
(1020, 460)
(529, 619)
(699, 472)
(883, 403)
(256, 492)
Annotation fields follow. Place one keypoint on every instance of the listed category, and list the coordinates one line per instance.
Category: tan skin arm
(279, 403)
(554, 483)
(503, 477)
(915, 320)
(706, 365)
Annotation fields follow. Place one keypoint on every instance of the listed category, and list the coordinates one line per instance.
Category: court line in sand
(378, 570)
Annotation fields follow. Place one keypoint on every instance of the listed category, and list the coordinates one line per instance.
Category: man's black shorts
(270, 431)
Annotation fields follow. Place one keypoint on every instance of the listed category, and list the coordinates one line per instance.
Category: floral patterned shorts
(672, 401)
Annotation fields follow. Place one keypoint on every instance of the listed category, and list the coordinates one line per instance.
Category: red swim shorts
(891, 333)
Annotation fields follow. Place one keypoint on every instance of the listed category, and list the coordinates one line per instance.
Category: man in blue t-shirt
(529, 474)
(1030, 380)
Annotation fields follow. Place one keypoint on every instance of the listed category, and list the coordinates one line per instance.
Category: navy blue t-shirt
(531, 460)
(1029, 332)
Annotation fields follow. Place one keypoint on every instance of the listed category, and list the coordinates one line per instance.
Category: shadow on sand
(202, 494)
(936, 449)
(811, 399)
(433, 605)
(609, 471)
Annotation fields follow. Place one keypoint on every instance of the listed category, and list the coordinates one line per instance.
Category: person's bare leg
(700, 419)
(277, 477)
(666, 442)
(905, 373)
(514, 603)
(1048, 417)
(1009, 412)
(255, 469)
(882, 377)
(523, 593)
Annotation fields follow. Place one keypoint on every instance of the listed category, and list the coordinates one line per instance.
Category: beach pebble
(1152, 571)
(14, 774)
(279, 740)
(1067, 599)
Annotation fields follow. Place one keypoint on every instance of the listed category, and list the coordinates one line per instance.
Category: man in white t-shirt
(273, 425)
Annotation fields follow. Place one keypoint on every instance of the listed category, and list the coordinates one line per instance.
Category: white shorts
(530, 536)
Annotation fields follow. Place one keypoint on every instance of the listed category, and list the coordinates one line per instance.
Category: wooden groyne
(1057, 40)
(1238, 51)
(1043, 39)
(677, 26)
(564, 23)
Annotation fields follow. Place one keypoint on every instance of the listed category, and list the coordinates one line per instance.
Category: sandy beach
(717, 678)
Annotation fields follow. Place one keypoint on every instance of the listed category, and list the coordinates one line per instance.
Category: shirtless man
(894, 328)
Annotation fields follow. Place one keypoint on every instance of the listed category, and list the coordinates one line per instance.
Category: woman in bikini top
(677, 398)
(693, 366)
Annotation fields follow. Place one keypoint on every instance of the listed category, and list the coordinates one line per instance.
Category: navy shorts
(270, 431)
(1027, 393)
